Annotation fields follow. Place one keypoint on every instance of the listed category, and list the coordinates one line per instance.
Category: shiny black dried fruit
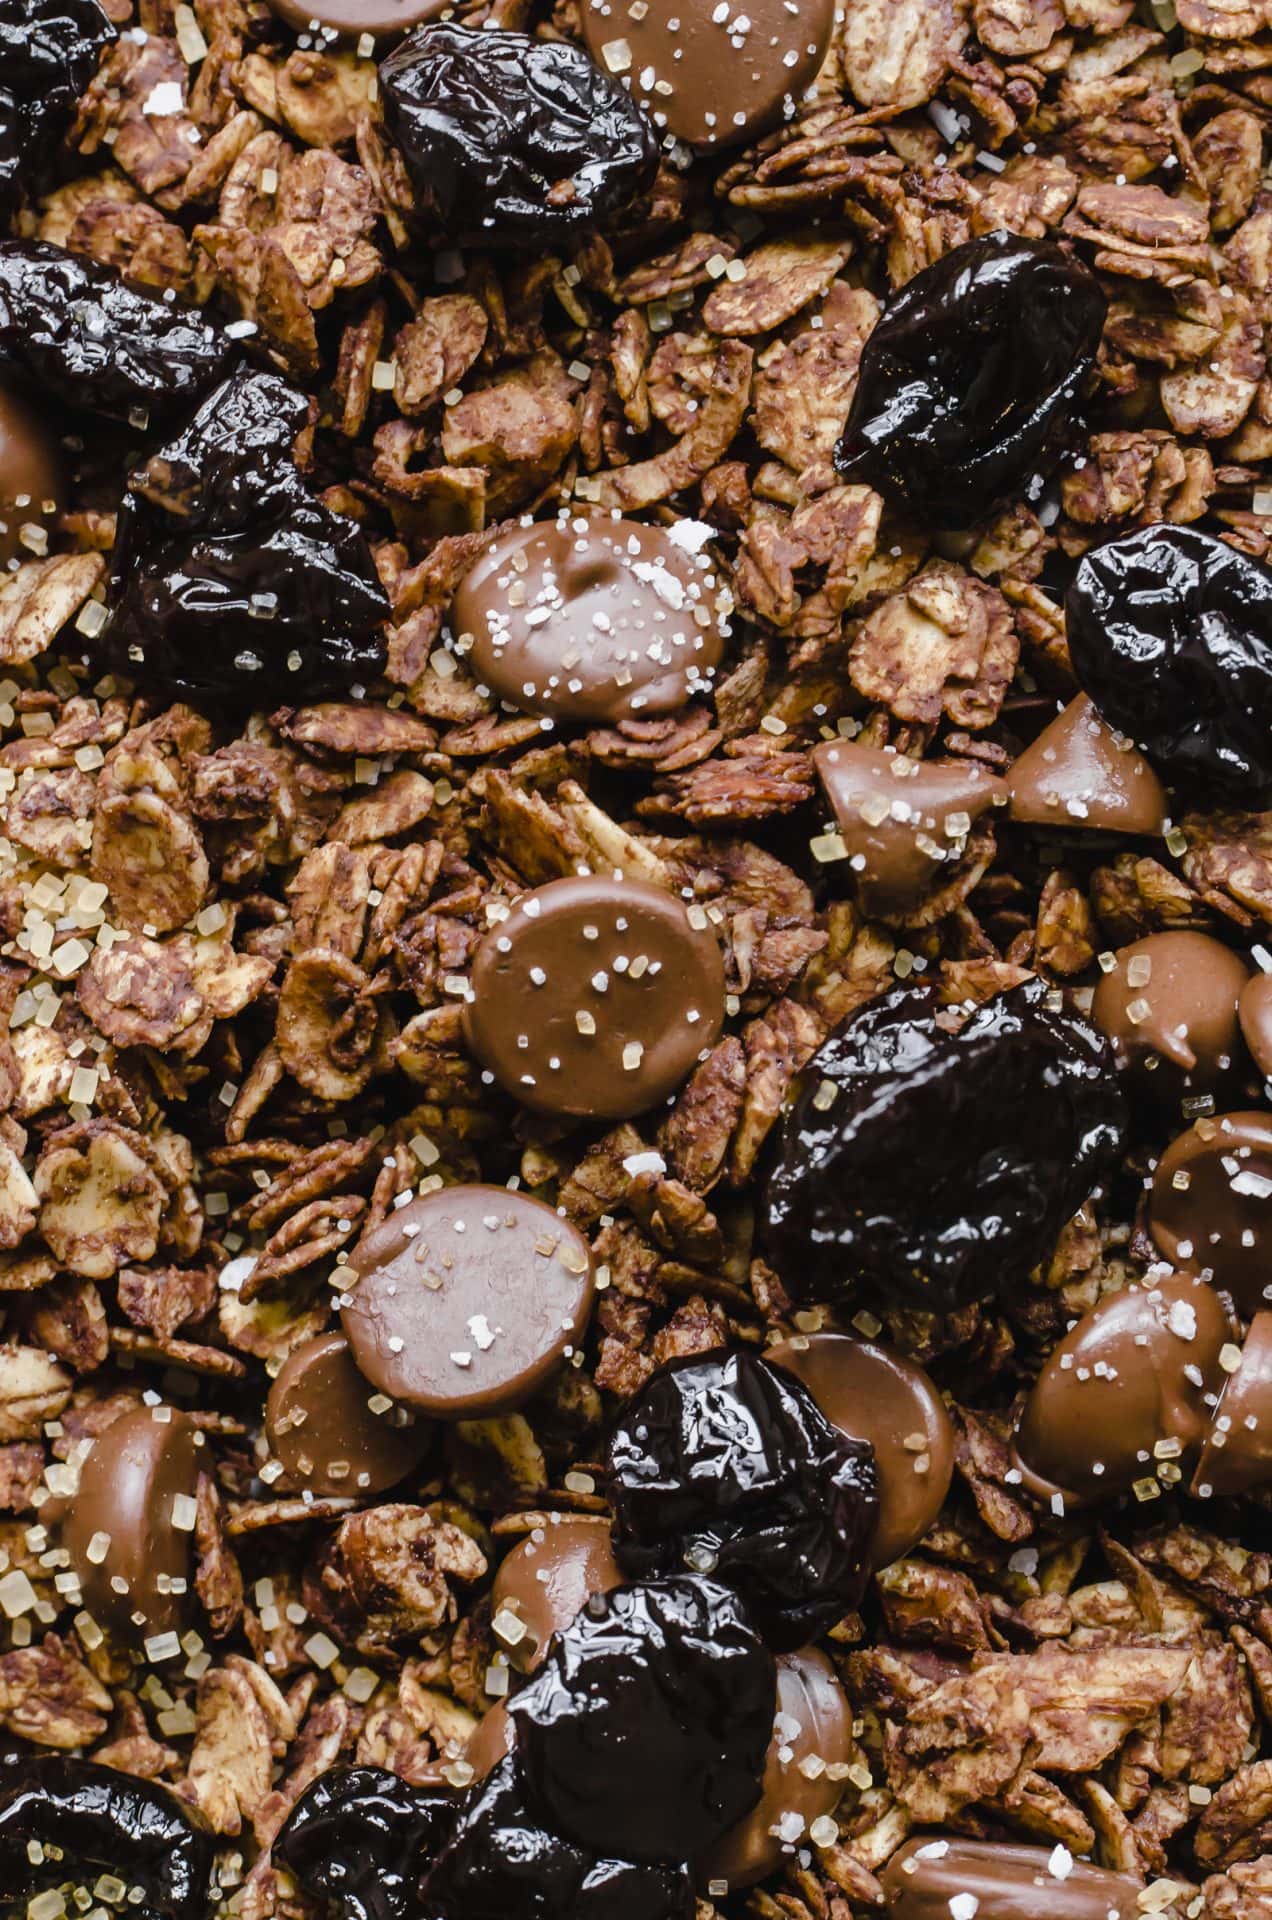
(90, 341)
(503, 1863)
(643, 1734)
(512, 139)
(1170, 632)
(727, 1464)
(229, 577)
(359, 1838)
(934, 1156)
(49, 51)
(91, 1821)
(969, 382)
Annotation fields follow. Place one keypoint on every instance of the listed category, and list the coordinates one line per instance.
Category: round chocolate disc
(1210, 1206)
(876, 1395)
(590, 619)
(129, 1528)
(1254, 1011)
(545, 1581)
(1169, 1006)
(466, 1301)
(30, 480)
(711, 73)
(595, 997)
(331, 1429)
(933, 1877)
(1237, 1456)
(813, 1723)
(350, 19)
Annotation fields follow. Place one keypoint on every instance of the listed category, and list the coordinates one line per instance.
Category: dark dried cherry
(229, 577)
(359, 1838)
(88, 340)
(934, 1156)
(727, 1464)
(503, 1863)
(1170, 632)
(643, 1734)
(969, 382)
(91, 1820)
(512, 139)
(49, 51)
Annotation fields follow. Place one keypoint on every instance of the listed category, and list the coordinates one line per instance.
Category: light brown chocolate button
(321, 1425)
(904, 822)
(1169, 1006)
(1254, 1011)
(466, 1301)
(30, 479)
(129, 1528)
(1210, 1205)
(712, 72)
(876, 1395)
(590, 619)
(595, 997)
(1079, 773)
(813, 1724)
(491, 1740)
(544, 1583)
(926, 1877)
(1237, 1456)
(1129, 1388)
(350, 19)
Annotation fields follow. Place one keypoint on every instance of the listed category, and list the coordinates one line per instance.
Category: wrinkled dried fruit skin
(969, 382)
(723, 1454)
(81, 335)
(104, 1822)
(221, 515)
(48, 54)
(948, 1161)
(360, 1837)
(1170, 632)
(644, 1732)
(512, 139)
(503, 1863)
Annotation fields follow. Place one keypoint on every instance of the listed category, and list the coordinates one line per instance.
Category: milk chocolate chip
(711, 74)
(30, 480)
(905, 823)
(873, 1394)
(590, 619)
(804, 1770)
(545, 1581)
(350, 19)
(330, 1428)
(1210, 1207)
(1169, 1006)
(1127, 1393)
(956, 1879)
(1079, 773)
(491, 1740)
(1254, 1011)
(595, 997)
(129, 1528)
(1237, 1456)
(466, 1301)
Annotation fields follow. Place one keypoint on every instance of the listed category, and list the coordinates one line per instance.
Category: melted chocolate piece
(1210, 1205)
(1237, 1456)
(350, 19)
(1078, 774)
(321, 1427)
(711, 77)
(30, 479)
(813, 1723)
(645, 1730)
(1138, 1372)
(359, 1838)
(465, 1302)
(590, 619)
(1169, 1007)
(874, 1394)
(545, 1580)
(904, 822)
(1254, 1012)
(595, 997)
(923, 1880)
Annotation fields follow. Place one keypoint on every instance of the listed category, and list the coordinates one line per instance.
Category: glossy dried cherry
(727, 1464)
(359, 1838)
(969, 382)
(49, 51)
(933, 1155)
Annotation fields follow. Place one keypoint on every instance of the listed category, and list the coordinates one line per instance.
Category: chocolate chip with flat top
(1210, 1205)
(924, 1879)
(545, 1581)
(323, 1428)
